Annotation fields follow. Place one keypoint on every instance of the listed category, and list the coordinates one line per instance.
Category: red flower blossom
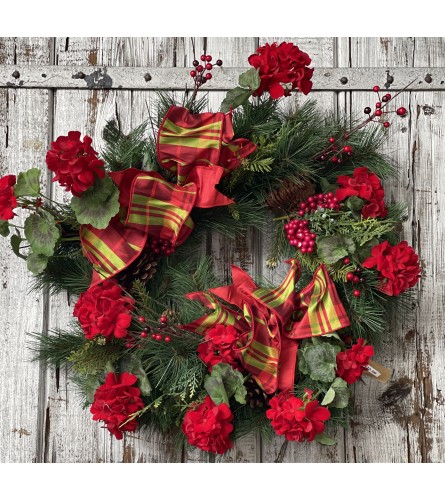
(284, 63)
(295, 419)
(367, 186)
(208, 426)
(7, 199)
(75, 163)
(218, 347)
(115, 401)
(103, 310)
(352, 362)
(398, 266)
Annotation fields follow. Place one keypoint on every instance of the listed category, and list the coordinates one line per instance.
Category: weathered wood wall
(403, 421)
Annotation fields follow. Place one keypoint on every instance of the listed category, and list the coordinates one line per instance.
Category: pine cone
(289, 195)
(256, 397)
(142, 269)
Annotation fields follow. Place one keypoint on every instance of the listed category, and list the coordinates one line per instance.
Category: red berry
(385, 99)
(332, 140)
(208, 58)
(128, 345)
(163, 319)
(209, 66)
(167, 339)
(350, 276)
(208, 76)
(153, 336)
(367, 110)
(378, 104)
(378, 112)
(346, 260)
(195, 63)
(200, 68)
(348, 149)
(158, 336)
(356, 293)
(193, 73)
(401, 111)
(376, 88)
(203, 57)
(386, 124)
(334, 159)
(219, 62)
(388, 96)
(356, 279)
(144, 335)
(141, 319)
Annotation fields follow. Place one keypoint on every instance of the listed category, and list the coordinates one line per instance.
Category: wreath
(157, 338)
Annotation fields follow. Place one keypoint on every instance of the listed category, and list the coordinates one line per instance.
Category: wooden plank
(323, 54)
(24, 126)
(426, 78)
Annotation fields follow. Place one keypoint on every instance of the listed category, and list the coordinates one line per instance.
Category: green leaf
(328, 397)
(4, 228)
(321, 361)
(250, 79)
(89, 385)
(98, 204)
(28, 183)
(355, 204)
(331, 249)
(324, 439)
(234, 98)
(36, 262)
(132, 364)
(15, 245)
(342, 393)
(363, 252)
(225, 382)
(326, 186)
(42, 233)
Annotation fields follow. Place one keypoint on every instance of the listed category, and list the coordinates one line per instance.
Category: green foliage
(98, 204)
(4, 228)
(36, 262)
(16, 240)
(337, 395)
(94, 357)
(257, 119)
(225, 382)
(28, 183)
(42, 233)
(57, 346)
(132, 364)
(318, 360)
(330, 249)
(322, 438)
(248, 82)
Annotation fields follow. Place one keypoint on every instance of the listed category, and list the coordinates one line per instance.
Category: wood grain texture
(24, 140)
(403, 421)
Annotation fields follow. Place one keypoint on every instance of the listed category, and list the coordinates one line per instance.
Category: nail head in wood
(147, 77)
(428, 78)
(16, 74)
(343, 80)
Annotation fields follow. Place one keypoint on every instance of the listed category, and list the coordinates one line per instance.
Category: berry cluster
(160, 246)
(380, 106)
(201, 74)
(299, 235)
(156, 334)
(322, 200)
(354, 277)
(335, 152)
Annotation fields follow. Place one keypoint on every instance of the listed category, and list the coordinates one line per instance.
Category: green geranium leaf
(42, 233)
(321, 361)
(363, 252)
(302, 365)
(355, 204)
(15, 245)
(36, 262)
(225, 382)
(342, 393)
(250, 80)
(132, 364)
(4, 228)
(324, 439)
(98, 204)
(331, 249)
(234, 98)
(28, 183)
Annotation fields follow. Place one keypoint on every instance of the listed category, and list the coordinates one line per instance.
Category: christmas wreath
(157, 339)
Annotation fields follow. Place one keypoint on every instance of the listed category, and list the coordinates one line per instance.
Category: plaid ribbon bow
(272, 321)
(199, 148)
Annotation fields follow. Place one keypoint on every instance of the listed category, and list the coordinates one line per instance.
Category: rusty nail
(147, 77)
(343, 80)
(428, 78)
(390, 79)
(43, 75)
(16, 74)
(80, 75)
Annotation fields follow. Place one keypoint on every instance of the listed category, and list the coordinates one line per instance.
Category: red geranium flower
(284, 63)
(218, 347)
(208, 426)
(352, 362)
(398, 266)
(75, 162)
(367, 186)
(7, 199)
(295, 419)
(103, 310)
(115, 401)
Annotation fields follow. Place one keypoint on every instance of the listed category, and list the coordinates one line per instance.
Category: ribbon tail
(287, 364)
(205, 178)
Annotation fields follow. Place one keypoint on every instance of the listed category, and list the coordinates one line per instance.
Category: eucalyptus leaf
(324, 439)
(4, 228)
(225, 382)
(42, 233)
(331, 249)
(36, 262)
(321, 361)
(28, 183)
(98, 204)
